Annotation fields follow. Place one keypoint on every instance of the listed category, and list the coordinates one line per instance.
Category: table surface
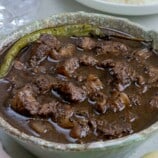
(50, 7)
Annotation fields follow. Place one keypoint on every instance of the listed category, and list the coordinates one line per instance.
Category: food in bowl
(67, 85)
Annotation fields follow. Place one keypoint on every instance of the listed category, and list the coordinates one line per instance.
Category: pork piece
(67, 50)
(99, 101)
(50, 41)
(88, 60)
(140, 81)
(86, 43)
(39, 53)
(48, 109)
(93, 84)
(68, 67)
(42, 48)
(70, 92)
(82, 112)
(41, 127)
(81, 125)
(142, 55)
(60, 113)
(18, 78)
(45, 83)
(40, 69)
(64, 52)
(113, 48)
(123, 74)
(64, 115)
(114, 129)
(24, 101)
(109, 63)
(154, 102)
(153, 75)
(45, 129)
(67, 90)
(18, 65)
(79, 131)
(118, 101)
(76, 132)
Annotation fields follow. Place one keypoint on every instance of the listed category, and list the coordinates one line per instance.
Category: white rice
(133, 1)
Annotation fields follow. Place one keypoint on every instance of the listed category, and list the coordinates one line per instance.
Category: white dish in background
(122, 8)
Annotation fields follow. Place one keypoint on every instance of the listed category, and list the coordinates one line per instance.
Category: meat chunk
(142, 55)
(60, 113)
(123, 74)
(109, 63)
(113, 48)
(24, 101)
(88, 60)
(153, 74)
(118, 101)
(93, 84)
(81, 125)
(68, 67)
(99, 101)
(67, 50)
(154, 102)
(86, 43)
(49, 40)
(64, 115)
(48, 109)
(42, 48)
(70, 92)
(79, 131)
(41, 127)
(140, 81)
(45, 83)
(64, 52)
(114, 129)
(40, 69)
(19, 65)
(40, 52)
(76, 132)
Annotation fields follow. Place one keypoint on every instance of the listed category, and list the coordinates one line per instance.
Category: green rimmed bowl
(119, 148)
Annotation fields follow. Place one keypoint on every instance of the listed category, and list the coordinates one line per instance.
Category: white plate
(121, 9)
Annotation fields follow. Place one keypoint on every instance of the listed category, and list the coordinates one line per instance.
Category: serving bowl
(119, 148)
(122, 8)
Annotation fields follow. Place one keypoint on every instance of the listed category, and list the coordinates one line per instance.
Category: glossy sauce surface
(81, 89)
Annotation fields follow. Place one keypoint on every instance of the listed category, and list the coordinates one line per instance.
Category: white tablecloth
(50, 7)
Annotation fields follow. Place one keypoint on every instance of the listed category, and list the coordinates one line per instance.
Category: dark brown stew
(81, 89)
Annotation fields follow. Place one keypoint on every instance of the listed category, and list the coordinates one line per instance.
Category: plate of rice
(124, 7)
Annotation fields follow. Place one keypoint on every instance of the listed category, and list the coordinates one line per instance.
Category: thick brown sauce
(139, 115)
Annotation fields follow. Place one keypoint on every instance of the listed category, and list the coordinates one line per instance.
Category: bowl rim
(14, 132)
(126, 5)
(121, 8)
